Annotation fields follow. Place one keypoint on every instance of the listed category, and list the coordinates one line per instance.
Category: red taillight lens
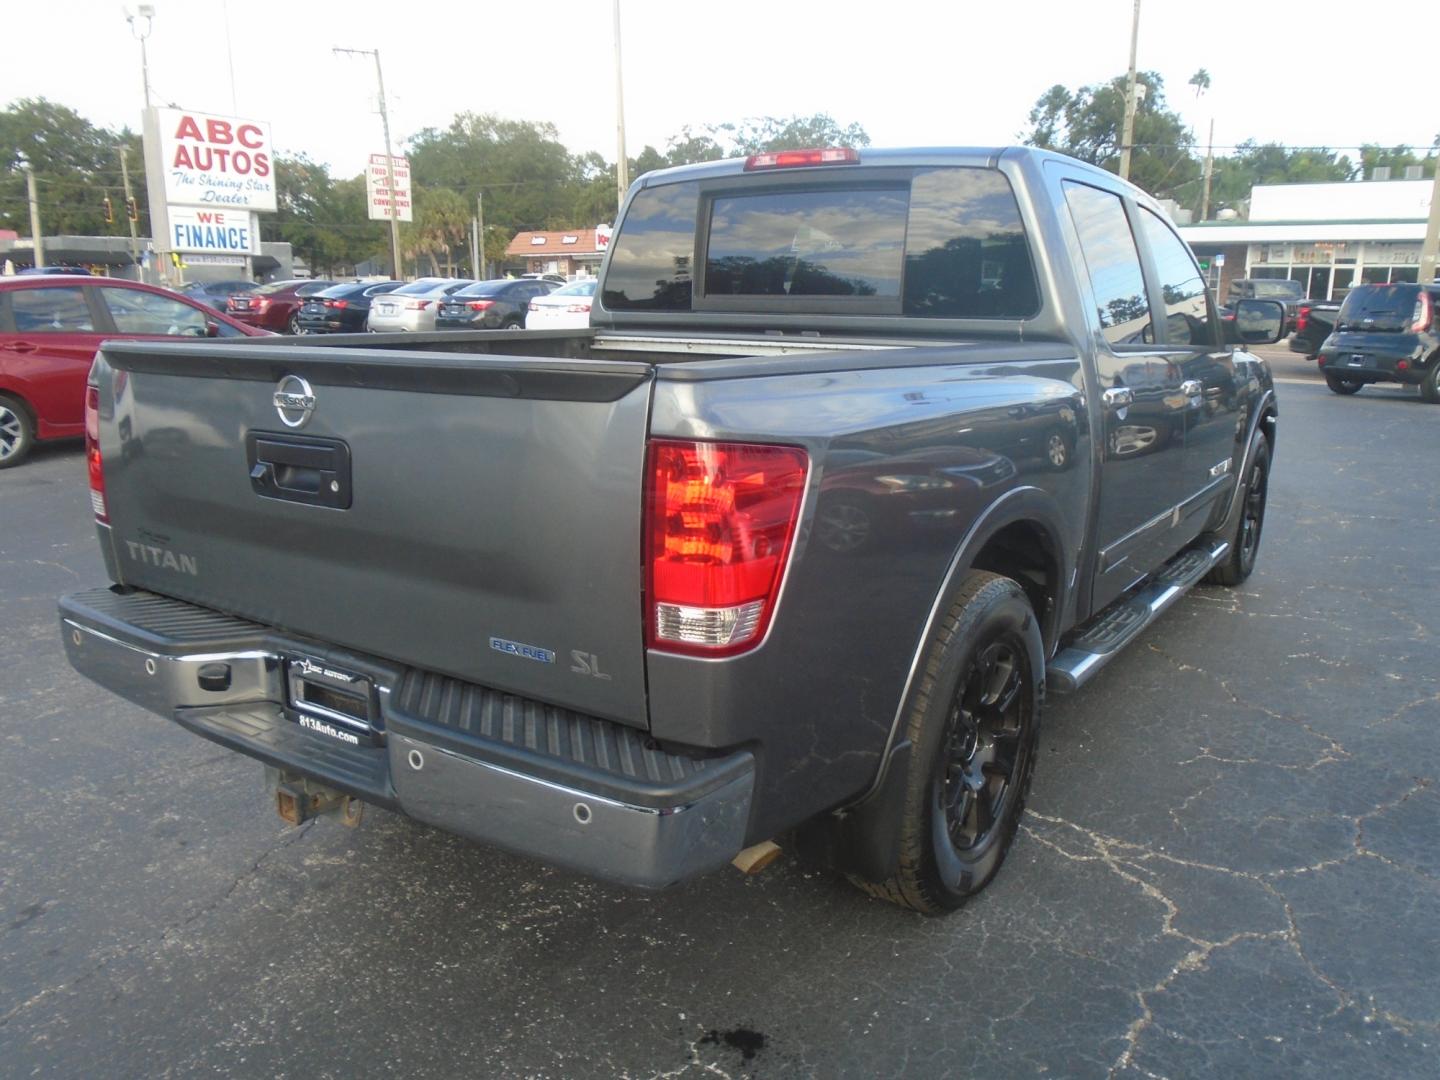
(92, 454)
(260, 303)
(338, 305)
(534, 306)
(480, 305)
(416, 305)
(792, 159)
(1424, 311)
(579, 308)
(720, 518)
(1302, 319)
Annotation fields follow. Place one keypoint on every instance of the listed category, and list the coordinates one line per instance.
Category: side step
(1119, 624)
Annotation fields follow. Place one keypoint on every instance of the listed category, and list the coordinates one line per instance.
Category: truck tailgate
(475, 515)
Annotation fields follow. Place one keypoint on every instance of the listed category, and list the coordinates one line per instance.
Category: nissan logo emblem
(294, 401)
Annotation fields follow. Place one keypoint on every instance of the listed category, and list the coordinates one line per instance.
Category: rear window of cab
(941, 243)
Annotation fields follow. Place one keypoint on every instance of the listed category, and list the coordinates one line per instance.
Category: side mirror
(212, 329)
(1257, 322)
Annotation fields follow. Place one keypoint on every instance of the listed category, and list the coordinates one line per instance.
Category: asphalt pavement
(1231, 865)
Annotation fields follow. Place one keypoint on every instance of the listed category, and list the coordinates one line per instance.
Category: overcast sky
(911, 72)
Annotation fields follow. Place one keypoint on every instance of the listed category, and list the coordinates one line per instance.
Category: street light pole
(146, 12)
(394, 210)
(622, 164)
(1127, 135)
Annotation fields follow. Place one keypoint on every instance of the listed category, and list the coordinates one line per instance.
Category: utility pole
(622, 163)
(1430, 249)
(480, 231)
(1127, 135)
(475, 248)
(389, 159)
(35, 218)
(1209, 171)
(134, 236)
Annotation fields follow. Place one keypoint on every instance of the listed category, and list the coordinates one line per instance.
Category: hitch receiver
(298, 798)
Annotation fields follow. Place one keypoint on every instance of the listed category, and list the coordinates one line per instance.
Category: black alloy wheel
(973, 728)
(977, 773)
(1239, 562)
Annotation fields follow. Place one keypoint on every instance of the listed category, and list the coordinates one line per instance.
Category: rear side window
(966, 255)
(53, 310)
(1187, 303)
(1112, 262)
(650, 266)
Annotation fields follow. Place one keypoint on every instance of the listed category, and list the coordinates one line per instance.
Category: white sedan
(563, 309)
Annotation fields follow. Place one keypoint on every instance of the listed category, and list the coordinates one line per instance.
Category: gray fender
(862, 837)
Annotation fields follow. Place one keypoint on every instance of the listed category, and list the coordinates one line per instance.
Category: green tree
(1087, 124)
(441, 225)
(758, 135)
(1270, 163)
(324, 220)
(1397, 158)
(76, 165)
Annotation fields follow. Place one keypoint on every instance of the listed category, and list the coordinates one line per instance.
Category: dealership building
(1328, 237)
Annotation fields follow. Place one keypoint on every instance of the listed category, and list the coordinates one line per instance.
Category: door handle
(1192, 387)
(1118, 397)
(21, 347)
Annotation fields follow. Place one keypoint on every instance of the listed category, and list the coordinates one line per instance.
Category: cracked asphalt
(1231, 865)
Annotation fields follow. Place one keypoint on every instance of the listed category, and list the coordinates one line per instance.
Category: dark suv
(491, 305)
(1385, 333)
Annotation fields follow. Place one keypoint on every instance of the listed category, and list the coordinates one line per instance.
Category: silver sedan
(412, 307)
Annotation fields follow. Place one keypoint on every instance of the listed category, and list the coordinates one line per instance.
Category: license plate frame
(330, 701)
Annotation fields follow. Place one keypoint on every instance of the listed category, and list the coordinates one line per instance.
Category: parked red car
(275, 306)
(50, 327)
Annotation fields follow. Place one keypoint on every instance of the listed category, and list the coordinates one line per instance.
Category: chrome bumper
(624, 825)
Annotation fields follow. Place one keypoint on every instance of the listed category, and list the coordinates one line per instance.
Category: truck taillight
(720, 518)
(92, 454)
(1302, 319)
(1424, 311)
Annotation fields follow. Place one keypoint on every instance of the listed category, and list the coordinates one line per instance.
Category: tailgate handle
(298, 468)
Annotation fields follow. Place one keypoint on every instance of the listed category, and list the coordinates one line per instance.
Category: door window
(136, 311)
(1182, 287)
(1113, 264)
(51, 310)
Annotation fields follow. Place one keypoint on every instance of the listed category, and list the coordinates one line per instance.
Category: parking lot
(1230, 866)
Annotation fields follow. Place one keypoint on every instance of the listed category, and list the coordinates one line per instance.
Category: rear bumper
(577, 791)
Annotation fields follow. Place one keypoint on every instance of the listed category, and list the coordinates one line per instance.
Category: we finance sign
(214, 232)
(222, 161)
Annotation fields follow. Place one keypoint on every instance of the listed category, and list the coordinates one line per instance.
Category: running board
(1123, 621)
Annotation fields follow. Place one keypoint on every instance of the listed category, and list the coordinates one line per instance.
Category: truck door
(1140, 419)
(1214, 401)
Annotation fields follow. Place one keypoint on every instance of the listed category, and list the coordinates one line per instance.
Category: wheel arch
(1020, 536)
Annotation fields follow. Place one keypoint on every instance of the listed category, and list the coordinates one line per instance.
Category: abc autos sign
(212, 161)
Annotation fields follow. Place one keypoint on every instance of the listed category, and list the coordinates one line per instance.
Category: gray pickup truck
(861, 453)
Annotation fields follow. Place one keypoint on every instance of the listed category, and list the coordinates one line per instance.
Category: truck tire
(1245, 546)
(17, 432)
(1342, 386)
(974, 727)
